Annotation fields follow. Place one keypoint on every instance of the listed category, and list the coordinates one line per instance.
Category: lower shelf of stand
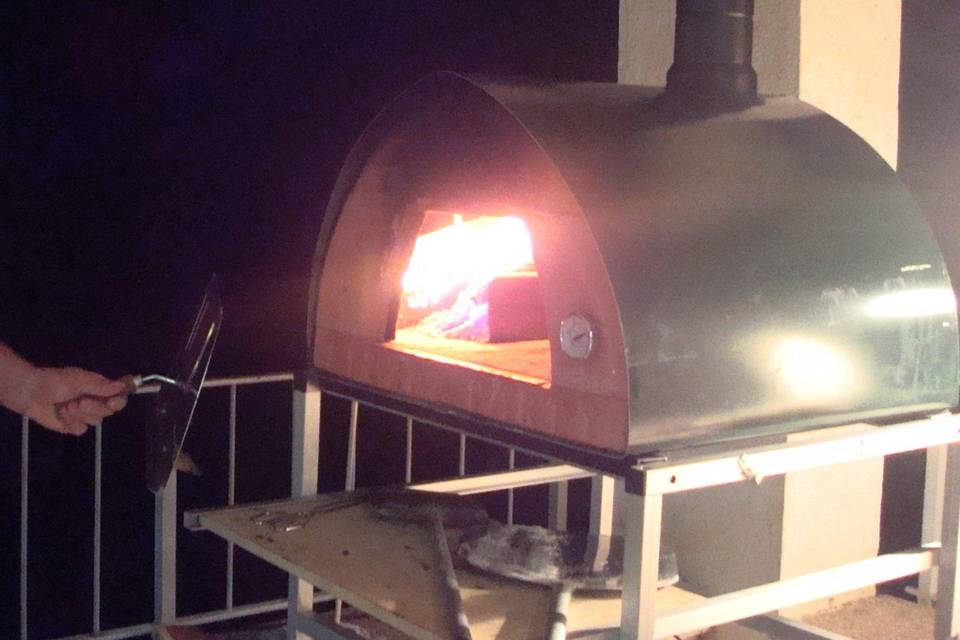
(391, 571)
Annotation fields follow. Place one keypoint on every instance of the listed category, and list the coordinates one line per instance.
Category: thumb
(85, 382)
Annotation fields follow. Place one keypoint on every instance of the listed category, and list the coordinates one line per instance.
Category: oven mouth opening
(470, 295)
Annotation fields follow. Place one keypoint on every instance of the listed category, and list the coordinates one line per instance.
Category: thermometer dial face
(576, 336)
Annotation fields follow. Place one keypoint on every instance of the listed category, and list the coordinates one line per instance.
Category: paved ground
(880, 618)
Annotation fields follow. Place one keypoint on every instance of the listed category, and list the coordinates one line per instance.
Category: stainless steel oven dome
(750, 270)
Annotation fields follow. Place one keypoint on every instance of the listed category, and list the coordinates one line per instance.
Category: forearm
(16, 375)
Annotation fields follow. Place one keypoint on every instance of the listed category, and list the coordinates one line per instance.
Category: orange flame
(465, 255)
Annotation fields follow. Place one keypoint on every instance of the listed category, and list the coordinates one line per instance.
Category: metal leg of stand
(606, 505)
(947, 621)
(305, 463)
(557, 509)
(640, 565)
(165, 553)
(936, 463)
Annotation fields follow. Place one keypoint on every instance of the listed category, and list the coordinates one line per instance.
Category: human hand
(69, 400)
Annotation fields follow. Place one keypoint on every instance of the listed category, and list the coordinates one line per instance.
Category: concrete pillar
(646, 44)
(930, 119)
(929, 163)
(842, 57)
(850, 66)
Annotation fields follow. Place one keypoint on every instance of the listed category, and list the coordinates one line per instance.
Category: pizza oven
(621, 271)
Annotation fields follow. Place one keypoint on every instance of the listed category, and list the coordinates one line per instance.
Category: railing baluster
(351, 476)
(97, 513)
(462, 461)
(165, 552)
(24, 496)
(350, 483)
(164, 522)
(511, 464)
(408, 456)
(557, 510)
(304, 469)
(231, 484)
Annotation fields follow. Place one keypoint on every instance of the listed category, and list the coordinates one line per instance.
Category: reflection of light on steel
(912, 303)
(813, 371)
(908, 268)
(465, 255)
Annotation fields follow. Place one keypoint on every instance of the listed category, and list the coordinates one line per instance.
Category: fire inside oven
(471, 293)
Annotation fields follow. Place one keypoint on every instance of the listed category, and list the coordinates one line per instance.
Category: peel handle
(131, 382)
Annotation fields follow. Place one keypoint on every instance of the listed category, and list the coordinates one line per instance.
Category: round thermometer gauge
(576, 336)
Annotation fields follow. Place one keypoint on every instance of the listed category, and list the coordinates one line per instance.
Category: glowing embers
(471, 296)
(462, 266)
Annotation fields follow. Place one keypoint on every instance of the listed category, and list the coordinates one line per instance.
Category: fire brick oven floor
(529, 358)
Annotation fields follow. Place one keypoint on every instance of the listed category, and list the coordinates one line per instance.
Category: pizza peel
(176, 400)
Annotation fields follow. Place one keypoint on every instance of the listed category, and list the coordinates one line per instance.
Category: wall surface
(929, 163)
(930, 118)
(850, 66)
(843, 57)
(726, 538)
(646, 43)
(831, 517)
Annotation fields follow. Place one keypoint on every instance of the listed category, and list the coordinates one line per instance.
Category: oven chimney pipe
(713, 52)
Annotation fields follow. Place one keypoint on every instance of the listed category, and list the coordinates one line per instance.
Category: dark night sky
(146, 145)
(149, 145)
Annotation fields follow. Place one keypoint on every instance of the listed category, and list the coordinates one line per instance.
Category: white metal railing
(663, 480)
(24, 490)
(165, 526)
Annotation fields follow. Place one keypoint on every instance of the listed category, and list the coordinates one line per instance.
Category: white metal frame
(303, 480)
(934, 486)
(644, 501)
(301, 621)
(639, 501)
(948, 592)
(635, 509)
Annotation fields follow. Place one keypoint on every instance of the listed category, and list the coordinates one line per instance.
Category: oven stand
(647, 485)
(633, 504)
(305, 468)
(641, 496)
